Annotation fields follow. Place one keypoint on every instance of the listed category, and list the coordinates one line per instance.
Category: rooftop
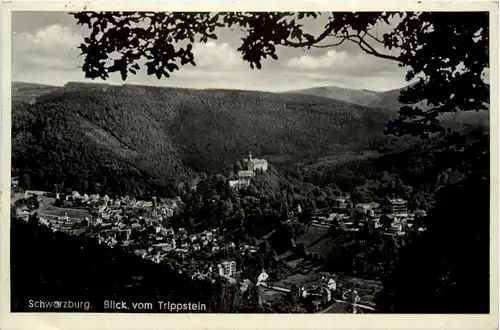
(399, 201)
(246, 173)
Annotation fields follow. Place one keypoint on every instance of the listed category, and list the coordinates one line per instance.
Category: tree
(292, 295)
(332, 230)
(385, 221)
(33, 219)
(26, 181)
(445, 52)
(237, 167)
(448, 264)
(306, 216)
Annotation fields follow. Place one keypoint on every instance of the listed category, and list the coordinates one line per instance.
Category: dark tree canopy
(446, 53)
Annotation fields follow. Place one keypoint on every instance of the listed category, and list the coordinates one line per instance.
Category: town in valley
(145, 228)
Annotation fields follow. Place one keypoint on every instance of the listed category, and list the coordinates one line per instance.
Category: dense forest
(142, 140)
(132, 137)
(416, 171)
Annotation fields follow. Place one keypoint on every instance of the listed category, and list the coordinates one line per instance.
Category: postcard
(249, 165)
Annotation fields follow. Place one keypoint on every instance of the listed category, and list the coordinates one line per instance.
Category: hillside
(388, 100)
(351, 95)
(119, 135)
(29, 92)
(54, 266)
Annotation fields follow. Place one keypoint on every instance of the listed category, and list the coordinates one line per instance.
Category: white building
(262, 277)
(246, 174)
(254, 164)
(227, 268)
(240, 183)
(332, 284)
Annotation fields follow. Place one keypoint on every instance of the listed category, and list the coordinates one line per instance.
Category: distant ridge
(29, 92)
(388, 100)
(356, 96)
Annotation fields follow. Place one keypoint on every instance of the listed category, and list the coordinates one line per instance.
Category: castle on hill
(253, 164)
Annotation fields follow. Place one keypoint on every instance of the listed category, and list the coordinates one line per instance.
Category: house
(397, 206)
(332, 284)
(75, 195)
(246, 174)
(227, 268)
(342, 203)
(420, 213)
(303, 292)
(262, 278)
(254, 164)
(168, 231)
(244, 286)
(369, 209)
(94, 197)
(14, 181)
(240, 183)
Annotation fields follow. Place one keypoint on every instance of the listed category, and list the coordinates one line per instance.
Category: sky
(45, 50)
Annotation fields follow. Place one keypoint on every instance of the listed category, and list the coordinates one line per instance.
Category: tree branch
(331, 45)
(310, 43)
(374, 38)
(367, 48)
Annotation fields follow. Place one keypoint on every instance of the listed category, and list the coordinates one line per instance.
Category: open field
(73, 214)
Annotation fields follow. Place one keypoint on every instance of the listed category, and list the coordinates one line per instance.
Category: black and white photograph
(251, 162)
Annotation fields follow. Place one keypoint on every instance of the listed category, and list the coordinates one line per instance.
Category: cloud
(348, 65)
(49, 39)
(48, 53)
(52, 47)
(331, 59)
(217, 55)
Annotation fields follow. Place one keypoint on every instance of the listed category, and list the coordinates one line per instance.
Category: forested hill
(119, 135)
(135, 139)
(351, 95)
(29, 92)
(389, 100)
